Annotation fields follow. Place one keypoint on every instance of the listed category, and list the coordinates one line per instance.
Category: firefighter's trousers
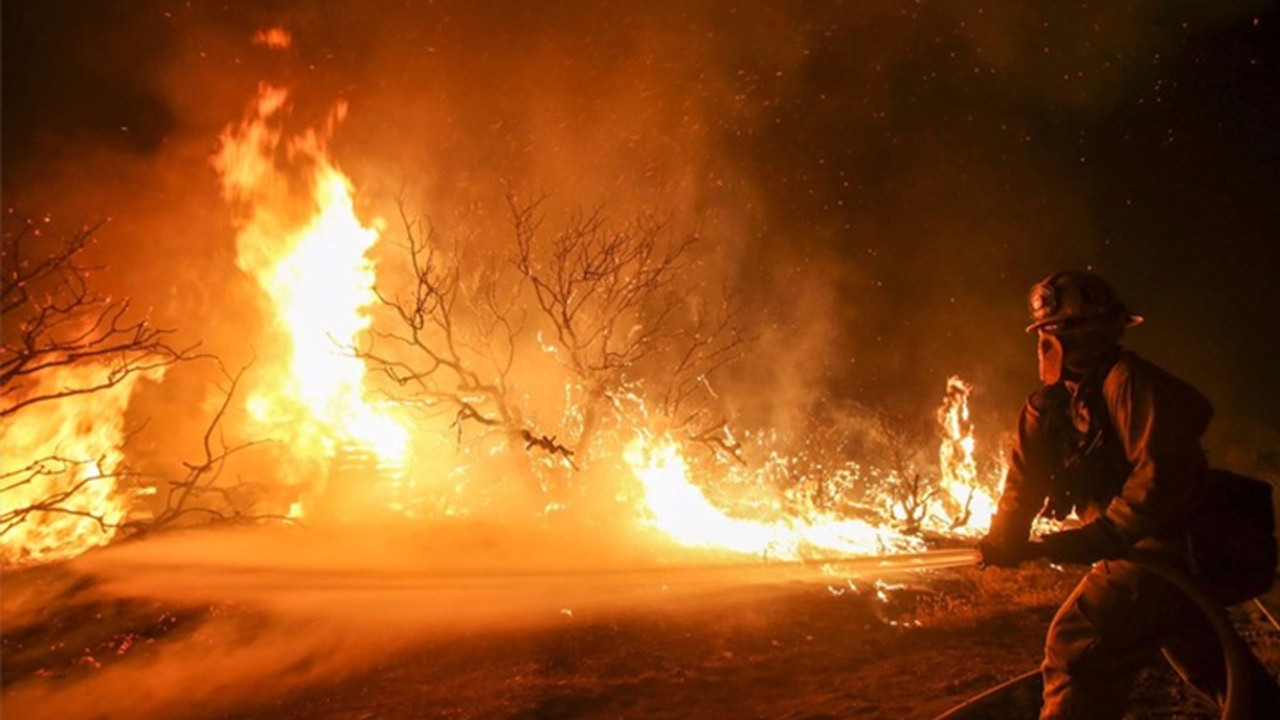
(1114, 622)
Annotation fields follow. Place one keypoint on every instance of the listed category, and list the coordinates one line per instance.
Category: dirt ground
(94, 641)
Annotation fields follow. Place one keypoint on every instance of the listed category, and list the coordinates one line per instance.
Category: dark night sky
(885, 179)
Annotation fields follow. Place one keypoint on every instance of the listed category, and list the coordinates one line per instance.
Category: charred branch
(58, 499)
(451, 344)
(549, 445)
(912, 491)
(53, 320)
(602, 288)
(190, 494)
(613, 298)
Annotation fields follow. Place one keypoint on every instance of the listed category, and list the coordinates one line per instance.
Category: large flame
(65, 457)
(674, 504)
(300, 239)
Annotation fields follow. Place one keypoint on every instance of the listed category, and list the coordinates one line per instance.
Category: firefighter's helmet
(1070, 298)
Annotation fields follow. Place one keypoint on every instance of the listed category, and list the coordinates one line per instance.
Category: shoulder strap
(1094, 399)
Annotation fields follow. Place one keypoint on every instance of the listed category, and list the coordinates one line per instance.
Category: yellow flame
(675, 505)
(314, 267)
(680, 510)
(67, 449)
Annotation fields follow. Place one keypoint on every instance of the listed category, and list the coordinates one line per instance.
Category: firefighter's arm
(1023, 495)
(1096, 540)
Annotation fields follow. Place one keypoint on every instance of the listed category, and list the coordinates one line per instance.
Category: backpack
(1231, 542)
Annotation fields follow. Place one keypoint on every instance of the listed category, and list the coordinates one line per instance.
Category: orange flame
(968, 505)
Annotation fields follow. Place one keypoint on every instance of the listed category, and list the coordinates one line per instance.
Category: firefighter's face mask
(1049, 354)
(1072, 351)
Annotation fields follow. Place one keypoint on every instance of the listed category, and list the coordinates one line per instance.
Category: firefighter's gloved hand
(1085, 545)
(1001, 554)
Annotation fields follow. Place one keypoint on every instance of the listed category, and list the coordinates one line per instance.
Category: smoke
(878, 183)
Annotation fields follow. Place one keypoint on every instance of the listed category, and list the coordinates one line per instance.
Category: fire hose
(1235, 655)
(1237, 705)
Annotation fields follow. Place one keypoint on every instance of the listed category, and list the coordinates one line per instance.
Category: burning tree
(71, 357)
(957, 498)
(624, 316)
(604, 310)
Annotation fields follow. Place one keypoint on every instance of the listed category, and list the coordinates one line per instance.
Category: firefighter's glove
(1001, 554)
(1085, 545)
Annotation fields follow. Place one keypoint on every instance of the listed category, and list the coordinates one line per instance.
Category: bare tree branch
(452, 345)
(910, 490)
(203, 475)
(64, 341)
(615, 300)
(52, 319)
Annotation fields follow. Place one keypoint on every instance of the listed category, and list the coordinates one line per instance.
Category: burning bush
(71, 358)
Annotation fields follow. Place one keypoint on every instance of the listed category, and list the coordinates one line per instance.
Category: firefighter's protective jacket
(1124, 443)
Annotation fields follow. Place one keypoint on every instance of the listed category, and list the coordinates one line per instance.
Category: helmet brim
(1130, 320)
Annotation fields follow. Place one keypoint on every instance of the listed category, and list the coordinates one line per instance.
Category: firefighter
(1115, 440)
